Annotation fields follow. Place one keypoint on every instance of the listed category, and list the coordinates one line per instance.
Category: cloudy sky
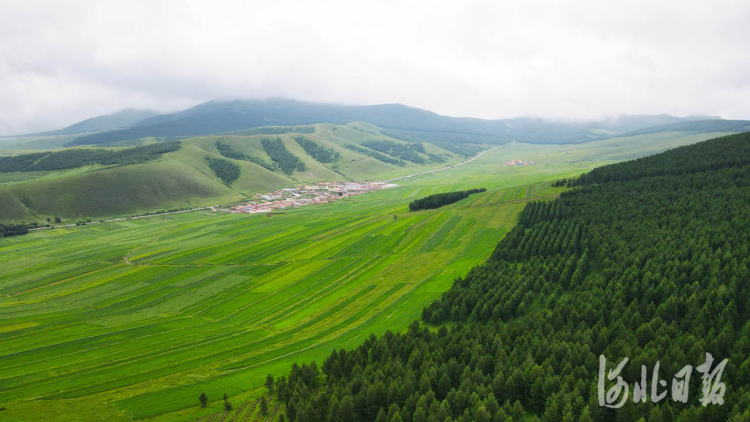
(61, 62)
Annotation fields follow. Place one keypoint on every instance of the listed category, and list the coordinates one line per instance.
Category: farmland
(134, 319)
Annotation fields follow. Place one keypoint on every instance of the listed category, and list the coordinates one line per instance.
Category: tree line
(406, 152)
(374, 154)
(78, 157)
(227, 151)
(318, 152)
(646, 262)
(439, 199)
(285, 160)
(8, 230)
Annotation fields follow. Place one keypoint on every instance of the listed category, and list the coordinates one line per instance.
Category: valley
(145, 314)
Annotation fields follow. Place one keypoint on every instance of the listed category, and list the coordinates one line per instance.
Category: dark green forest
(318, 152)
(646, 260)
(406, 152)
(8, 230)
(285, 160)
(374, 154)
(225, 170)
(439, 199)
(229, 152)
(78, 157)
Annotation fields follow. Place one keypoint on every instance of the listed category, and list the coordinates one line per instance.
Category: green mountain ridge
(397, 121)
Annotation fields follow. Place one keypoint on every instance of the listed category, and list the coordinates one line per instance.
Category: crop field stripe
(214, 302)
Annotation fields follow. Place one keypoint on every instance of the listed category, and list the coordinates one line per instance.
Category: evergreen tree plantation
(646, 260)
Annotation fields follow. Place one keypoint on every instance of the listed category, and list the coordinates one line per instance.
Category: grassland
(134, 319)
(183, 178)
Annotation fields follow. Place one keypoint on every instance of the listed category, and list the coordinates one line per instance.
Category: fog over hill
(118, 120)
(400, 121)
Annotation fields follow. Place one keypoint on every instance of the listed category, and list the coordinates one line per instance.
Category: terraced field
(134, 319)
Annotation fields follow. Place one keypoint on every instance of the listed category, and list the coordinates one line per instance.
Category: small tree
(263, 405)
(227, 406)
(58, 220)
(269, 383)
(204, 399)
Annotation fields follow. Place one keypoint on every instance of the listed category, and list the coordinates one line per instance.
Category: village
(519, 163)
(321, 193)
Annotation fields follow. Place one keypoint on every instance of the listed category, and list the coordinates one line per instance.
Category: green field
(134, 319)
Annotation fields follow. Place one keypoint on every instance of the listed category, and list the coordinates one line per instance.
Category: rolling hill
(395, 120)
(77, 185)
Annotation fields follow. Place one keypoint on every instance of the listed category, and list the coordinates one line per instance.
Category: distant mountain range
(118, 120)
(396, 120)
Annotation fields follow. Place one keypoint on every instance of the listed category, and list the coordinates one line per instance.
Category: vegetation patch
(16, 229)
(439, 199)
(227, 151)
(78, 157)
(406, 152)
(225, 170)
(374, 154)
(318, 152)
(285, 160)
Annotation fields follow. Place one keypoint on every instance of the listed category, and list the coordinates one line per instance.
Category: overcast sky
(61, 62)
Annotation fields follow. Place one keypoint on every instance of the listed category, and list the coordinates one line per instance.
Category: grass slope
(183, 177)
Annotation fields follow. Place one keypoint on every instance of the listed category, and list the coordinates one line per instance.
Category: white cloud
(61, 62)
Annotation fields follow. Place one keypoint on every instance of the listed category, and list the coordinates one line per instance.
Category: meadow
(135, 319)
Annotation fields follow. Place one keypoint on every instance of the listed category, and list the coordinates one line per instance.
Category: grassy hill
(183, 178)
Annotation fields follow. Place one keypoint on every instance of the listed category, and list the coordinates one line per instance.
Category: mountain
(406, 123)
(397, 120)
(118, 120)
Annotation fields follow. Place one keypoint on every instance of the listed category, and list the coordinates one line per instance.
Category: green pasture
(135, 319)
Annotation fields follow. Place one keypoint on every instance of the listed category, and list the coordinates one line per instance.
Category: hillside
(184, 178)
(80, 182)
(456, 134)
(646, 261)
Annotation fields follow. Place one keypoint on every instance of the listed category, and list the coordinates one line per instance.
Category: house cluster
(519, 163)
(321, 193)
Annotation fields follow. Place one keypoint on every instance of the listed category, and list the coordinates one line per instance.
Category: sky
(62, 62)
